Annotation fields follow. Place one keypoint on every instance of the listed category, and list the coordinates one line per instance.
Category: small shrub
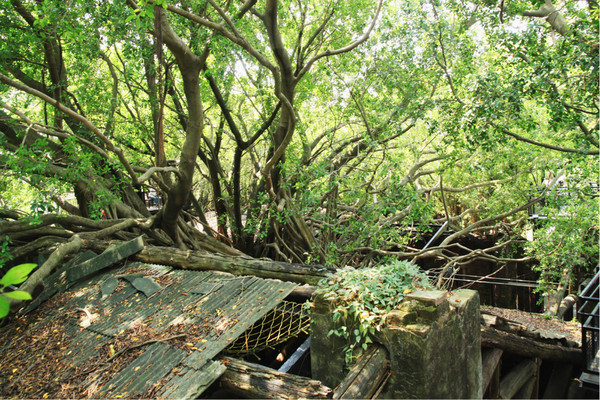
(364, 296)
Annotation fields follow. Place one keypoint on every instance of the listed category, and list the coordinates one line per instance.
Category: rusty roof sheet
(151, 331)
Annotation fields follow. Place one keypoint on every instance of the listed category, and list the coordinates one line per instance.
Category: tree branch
(549, 146)
(553, 17)
(345, 49)
(17, 85)
(465, 188)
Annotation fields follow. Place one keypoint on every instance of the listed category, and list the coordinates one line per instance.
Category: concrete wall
(433, 340)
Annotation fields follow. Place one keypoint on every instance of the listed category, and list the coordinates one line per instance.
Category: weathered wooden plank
(64, 279)
(259, 382)
(516, 344)
(493, 390)
(526, 392)
(559, 381)
(490, 359)
(535, 394)
(365, 377)
(516, 378)
(107, 258)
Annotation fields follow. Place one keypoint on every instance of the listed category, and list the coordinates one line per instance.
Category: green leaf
(18, 295)
(4, 307)
(17, 274)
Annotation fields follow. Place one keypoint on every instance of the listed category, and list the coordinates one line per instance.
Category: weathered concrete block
(439, 354)
(326, 351)
(433, 339)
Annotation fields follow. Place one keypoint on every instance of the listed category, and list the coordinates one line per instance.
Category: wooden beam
(490, 360)
(366, 376)
(254, 381)
(516, 378)
(526, 347)
(202, 261)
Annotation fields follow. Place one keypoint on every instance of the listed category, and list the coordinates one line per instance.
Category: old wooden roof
(135, 331)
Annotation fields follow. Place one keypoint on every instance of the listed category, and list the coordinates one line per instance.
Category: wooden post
(368, 374)
(536, 387)
(515, 379)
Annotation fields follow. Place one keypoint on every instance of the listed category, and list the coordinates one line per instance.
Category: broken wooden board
(366, 376)
(259, 382)
(527, 347)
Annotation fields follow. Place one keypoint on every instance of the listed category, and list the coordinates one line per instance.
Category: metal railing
(587, 313)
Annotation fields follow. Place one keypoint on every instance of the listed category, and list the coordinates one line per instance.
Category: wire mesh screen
(285, 321)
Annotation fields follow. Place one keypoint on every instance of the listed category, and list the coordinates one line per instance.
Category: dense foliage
(323, 132)
(363, 297)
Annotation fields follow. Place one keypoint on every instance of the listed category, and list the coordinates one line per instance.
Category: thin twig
(118, 353)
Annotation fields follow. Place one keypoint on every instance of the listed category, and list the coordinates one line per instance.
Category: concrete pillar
(433, 339)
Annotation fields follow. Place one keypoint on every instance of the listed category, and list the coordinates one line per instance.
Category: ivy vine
(362, 297)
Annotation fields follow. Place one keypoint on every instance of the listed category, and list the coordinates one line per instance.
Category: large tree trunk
(190, 66)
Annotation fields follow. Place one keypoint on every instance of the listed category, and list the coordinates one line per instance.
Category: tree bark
(552, 16)
(190, 66)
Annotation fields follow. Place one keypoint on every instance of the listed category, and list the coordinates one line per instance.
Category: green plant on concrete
(362, 297)
(14, 276)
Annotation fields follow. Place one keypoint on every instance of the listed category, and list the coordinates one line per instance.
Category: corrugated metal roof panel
(208, 310)
(232, 312)
(191, 383)
(156, 362)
